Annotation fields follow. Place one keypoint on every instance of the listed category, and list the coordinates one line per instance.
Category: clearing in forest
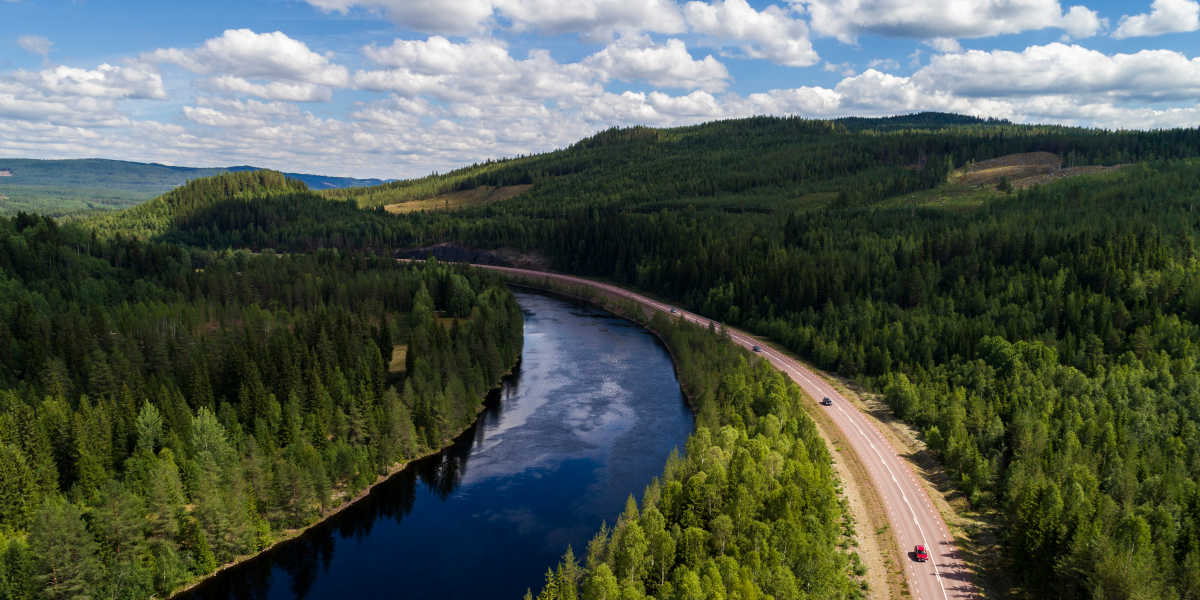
(484, 194)
(978, 182)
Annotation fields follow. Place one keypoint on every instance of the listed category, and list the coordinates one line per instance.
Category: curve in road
(913, 518)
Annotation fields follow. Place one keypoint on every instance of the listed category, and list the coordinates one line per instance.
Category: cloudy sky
(398, 88)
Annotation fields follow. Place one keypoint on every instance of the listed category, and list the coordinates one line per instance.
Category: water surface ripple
(589, 417)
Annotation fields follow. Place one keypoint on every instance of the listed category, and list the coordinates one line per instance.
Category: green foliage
(164, 411)
(1044, 340)
(1045, 343)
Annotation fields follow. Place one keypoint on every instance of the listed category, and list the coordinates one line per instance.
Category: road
(910, 513)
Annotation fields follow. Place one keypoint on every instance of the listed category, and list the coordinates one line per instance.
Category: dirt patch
(1021, 171)
(484, 194)
(399, 361)
(1012, 167)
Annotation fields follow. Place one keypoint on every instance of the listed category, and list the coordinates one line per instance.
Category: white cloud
(885, 64)
(452, 71)
(1166, 16)
(285, 68)
(655, 108)
(769, 34)
(1065, 69)
(1081, 22)
(845, 69)
(105, 81)
(809, 101)
(597, 19)
(944, 44)
(668, 65)
(35, 44)
(846, 19)
(295, 91)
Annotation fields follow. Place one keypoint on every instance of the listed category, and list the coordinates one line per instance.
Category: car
(757, 349)
(826, 401)
(673, 311)
(920, 554)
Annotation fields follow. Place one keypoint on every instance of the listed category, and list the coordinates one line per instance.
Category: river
(589, 417)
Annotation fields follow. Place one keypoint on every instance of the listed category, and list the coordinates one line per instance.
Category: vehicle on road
(920, 554)
(673, 311)
(826, 401)
(757, 349)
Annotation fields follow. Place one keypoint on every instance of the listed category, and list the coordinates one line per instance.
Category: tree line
(165, 410)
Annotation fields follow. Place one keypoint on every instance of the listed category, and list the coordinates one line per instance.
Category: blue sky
(394, 88)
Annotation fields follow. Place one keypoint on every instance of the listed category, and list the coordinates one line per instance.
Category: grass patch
(480, 196)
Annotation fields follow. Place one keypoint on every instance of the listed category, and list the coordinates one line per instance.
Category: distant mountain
(59, 187)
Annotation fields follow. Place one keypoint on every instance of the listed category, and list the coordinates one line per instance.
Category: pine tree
(67, 565)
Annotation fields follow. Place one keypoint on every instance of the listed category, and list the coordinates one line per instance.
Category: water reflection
(589, 418)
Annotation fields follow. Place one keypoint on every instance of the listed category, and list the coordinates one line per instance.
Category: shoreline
(290, 535)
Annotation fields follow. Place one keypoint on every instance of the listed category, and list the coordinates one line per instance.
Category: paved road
(912, 516)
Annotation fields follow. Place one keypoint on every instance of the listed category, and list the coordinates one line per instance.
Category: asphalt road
(913, 518)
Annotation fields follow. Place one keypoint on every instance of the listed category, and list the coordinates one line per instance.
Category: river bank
(290, 535)
(591, 417)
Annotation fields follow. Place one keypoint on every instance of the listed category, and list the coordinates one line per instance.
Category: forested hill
(164, 410)
(1036, 319)
(754, 164)
(60, 187)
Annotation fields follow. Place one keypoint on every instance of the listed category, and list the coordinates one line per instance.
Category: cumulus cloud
(286, 68)
(35, 44)
(453, 71)
(1060, 69)
(846, 19)
(1166, 16)
(105, 81)
(1081, 22)
(666, 65)
(597, 19)
(295, 91)
(770, 34)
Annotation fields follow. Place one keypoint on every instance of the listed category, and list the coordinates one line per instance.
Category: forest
(165, 410)
(1043, 342)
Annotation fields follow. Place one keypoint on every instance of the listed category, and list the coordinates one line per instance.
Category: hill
(60, 187)
(1042, 341)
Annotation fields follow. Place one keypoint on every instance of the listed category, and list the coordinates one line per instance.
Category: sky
(397, 88)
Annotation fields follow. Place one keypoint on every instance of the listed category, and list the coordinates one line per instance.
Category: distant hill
(60, 187)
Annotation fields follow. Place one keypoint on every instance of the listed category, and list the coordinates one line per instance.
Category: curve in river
(590, 417)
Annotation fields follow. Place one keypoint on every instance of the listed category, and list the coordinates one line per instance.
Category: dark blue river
(589, 418)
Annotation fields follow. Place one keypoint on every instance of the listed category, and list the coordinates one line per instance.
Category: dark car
(920, 554)
(757, 349)
(826, 401)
